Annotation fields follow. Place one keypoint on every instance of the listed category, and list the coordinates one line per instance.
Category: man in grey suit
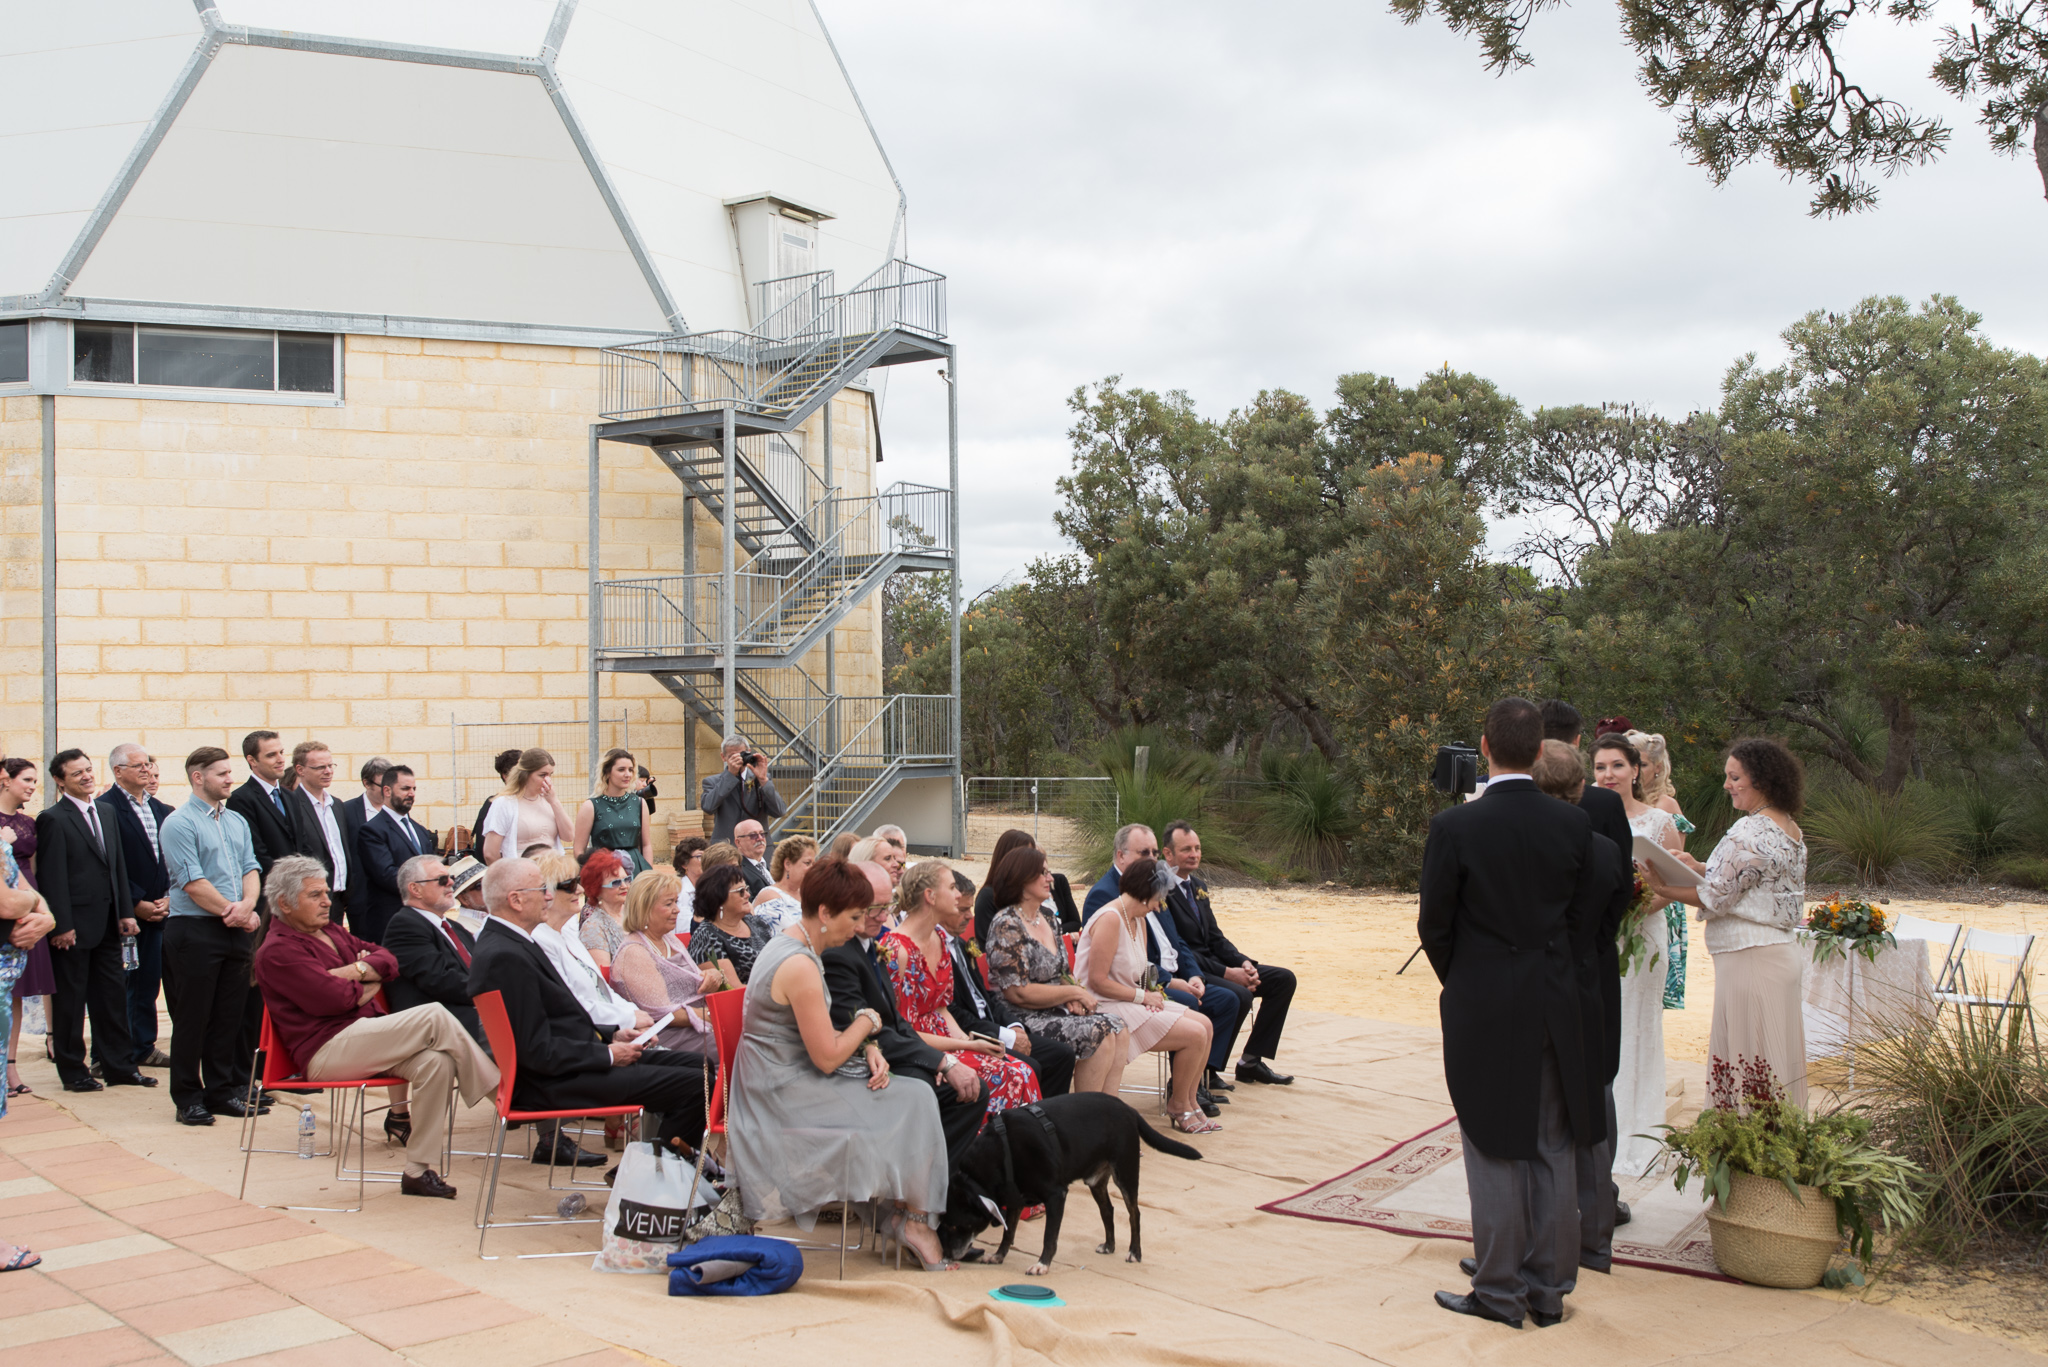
(740, 790)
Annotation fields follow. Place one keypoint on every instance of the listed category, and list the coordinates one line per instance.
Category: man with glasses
(137, 818)
(382, 847)
(433, 949)
(565, 1059)
(752, 840)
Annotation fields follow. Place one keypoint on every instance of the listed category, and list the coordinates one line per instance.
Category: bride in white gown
(1639, 1086)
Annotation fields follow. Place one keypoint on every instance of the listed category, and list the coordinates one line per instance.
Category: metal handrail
(658, 376)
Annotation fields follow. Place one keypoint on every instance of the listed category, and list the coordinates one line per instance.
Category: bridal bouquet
(1635, 950)
(1842, 924)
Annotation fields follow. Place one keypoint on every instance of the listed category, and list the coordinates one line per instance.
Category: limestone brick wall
(359, 574)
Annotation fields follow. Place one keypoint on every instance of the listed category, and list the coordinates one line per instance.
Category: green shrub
(1301, 815)
(1707, 807)
(2022, 871)
(1175, 788)
(1870, 837)
(1987, 819)
(1968, 1100)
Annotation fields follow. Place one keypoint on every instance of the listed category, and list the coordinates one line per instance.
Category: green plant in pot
(1788, 1184)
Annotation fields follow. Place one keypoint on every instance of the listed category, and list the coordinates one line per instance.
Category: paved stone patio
(141, 1265)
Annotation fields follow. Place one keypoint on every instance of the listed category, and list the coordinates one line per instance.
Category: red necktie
(456, 940)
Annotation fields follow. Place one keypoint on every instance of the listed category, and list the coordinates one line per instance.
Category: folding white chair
(1981, 958)
(1941, 935)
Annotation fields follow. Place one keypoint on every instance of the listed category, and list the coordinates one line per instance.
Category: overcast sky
(1224, 198)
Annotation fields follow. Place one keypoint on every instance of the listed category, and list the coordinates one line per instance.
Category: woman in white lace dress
(1639, 1085)
(1750, 907)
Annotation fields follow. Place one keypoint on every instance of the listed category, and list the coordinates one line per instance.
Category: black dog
(1029, 1155)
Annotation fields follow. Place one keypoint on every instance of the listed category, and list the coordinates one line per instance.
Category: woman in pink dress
(921, 975)
(1110, 961)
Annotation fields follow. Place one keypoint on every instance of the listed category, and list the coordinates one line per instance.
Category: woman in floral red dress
(921, 976)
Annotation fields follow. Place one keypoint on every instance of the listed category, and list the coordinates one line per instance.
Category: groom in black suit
(83, 876)
(1507, 885)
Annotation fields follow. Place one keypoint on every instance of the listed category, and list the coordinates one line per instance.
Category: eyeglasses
(446, 880)
(757, 835)
(618, 883)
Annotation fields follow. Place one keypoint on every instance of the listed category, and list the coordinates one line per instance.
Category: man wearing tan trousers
(322, 987)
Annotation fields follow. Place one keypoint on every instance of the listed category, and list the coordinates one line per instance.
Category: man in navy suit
(129, 810)
(382, 846)
(1172, 957)
(82, 876)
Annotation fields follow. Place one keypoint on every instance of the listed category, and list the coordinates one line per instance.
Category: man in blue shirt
(209, 938)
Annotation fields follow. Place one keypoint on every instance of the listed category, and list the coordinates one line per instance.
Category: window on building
(13, 352)
(203, 358)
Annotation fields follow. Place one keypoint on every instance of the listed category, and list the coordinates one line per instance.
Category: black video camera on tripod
(1457, 769)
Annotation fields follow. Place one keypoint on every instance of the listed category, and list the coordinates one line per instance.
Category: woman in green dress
(615, 818)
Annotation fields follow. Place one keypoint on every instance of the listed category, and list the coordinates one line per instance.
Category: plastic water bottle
(571, 1205)
(131, 957)
(305, 1131)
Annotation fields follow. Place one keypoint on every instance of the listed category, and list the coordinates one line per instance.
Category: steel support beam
(730, 573)
(596, 590)
(952, 374)
(49, 588)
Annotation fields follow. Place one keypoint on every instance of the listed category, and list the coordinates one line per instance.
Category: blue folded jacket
(707, 1267)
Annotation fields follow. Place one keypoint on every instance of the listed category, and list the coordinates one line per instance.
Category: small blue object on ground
(734, 1265)
(1024, 1293)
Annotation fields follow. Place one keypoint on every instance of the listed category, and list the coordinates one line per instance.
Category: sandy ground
(1222, 1282)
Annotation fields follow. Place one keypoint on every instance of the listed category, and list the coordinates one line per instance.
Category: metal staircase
(812, 553)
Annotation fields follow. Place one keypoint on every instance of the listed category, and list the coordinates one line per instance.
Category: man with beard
(382, 847)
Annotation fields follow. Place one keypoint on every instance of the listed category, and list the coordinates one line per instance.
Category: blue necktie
(277, 796)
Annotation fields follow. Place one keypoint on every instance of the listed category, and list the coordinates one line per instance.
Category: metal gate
(475, 744)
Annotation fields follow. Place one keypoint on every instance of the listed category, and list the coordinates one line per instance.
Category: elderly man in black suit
(854, 978)
(383, 846)
(564, 1060)
(83, 876)
(980, 1011)
(433, 949)
(129, 809)
(1509, 883)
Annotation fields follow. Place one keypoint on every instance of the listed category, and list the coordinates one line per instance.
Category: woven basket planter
(1764, 1237)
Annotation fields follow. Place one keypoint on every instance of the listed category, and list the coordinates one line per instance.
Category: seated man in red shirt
(321, 985)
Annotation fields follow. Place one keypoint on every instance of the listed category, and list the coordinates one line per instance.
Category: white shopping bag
(654, 1200)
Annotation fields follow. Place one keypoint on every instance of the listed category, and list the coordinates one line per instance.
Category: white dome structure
(516, 168)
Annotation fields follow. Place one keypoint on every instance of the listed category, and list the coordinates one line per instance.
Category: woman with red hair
(605, 879)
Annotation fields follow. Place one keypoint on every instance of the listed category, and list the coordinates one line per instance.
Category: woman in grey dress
(813, 1119)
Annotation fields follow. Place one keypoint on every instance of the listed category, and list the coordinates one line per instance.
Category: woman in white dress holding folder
(1751, 902)
(1639, 1085)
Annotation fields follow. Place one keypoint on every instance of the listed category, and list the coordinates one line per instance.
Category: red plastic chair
(1067, 942)
(490, 1008)
(277, 1071)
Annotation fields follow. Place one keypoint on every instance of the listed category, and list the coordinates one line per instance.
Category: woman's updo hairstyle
(1144, 880)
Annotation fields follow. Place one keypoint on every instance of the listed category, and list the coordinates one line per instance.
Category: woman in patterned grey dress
(1027, 964)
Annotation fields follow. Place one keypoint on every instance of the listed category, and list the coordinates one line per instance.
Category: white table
(1853, 998)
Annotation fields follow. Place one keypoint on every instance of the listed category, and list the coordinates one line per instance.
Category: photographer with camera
(740, 790)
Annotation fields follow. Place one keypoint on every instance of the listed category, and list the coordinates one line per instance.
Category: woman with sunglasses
(603, 883)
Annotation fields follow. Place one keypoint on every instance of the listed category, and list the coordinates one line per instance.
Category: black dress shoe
(85, 1084)
(1255, 1070)
(428, 1183)
(1207, 1103)
(195, 1114)
(1469, 1266)
(1622, 1214)
(1544, 1318)
(1218, 1083)
(131, 1079)
(1473, 1306)
(236, 1107)
(1608, 1268)
(567, 1155)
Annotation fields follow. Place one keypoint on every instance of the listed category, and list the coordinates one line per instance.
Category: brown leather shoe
(428, 1183)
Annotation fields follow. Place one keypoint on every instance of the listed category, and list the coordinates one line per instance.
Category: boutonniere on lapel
(973, 949)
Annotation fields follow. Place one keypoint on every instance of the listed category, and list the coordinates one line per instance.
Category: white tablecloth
(1872, 999)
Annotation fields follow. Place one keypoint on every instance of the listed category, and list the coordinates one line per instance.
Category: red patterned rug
(1417, 1188)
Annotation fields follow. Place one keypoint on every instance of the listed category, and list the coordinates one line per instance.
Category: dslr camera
(1456, 770)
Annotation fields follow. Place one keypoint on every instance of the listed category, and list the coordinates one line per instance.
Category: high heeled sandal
(398, 1128)
(891, 1228)
(1192, 1122)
